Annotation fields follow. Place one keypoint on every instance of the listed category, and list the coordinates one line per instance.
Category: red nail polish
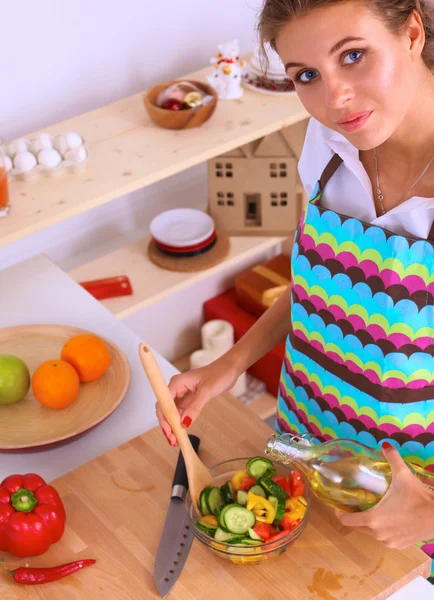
(186, 421)
(386, 445)
(167, 437)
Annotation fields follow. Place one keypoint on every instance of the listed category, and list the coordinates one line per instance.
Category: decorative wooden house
(254, 189)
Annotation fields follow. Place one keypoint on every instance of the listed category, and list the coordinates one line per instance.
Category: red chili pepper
(35, 576)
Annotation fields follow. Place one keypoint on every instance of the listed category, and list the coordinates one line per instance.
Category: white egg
(49, 158)
(8, 163)
(25, 161)
(76, 155)
(73, 140)
(41, 142)
(18, 146)
(61, 144)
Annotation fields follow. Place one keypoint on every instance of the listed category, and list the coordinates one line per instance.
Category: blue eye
(307, 76)
(353, 57)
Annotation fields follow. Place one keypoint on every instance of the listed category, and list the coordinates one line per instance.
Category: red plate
(184, 249)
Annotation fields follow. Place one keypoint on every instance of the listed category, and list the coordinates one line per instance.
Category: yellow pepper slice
(237, 478)
(295, 509)
(262, 509)
(209, 520)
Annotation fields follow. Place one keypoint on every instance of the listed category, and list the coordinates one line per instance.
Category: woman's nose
(337, 93)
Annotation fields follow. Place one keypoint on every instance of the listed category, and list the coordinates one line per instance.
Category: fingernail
(386, 445)
(186, 422)
(167, 437)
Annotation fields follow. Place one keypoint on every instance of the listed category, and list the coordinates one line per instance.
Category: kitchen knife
(177, 535)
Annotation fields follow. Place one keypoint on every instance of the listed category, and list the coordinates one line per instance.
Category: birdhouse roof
(274, 145)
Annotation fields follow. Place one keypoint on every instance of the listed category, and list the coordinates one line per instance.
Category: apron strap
(431, 234)
(329, 170)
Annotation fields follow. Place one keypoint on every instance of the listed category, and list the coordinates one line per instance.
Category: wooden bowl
(179, 119)
(28, 424)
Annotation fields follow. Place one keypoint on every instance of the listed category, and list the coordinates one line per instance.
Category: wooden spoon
(197, 473)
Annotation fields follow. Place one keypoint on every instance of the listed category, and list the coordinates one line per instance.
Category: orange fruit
(88, 354)
(55, 384)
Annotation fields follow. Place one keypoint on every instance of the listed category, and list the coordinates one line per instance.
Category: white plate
(182, 227)
(280, 76)
(264, 91)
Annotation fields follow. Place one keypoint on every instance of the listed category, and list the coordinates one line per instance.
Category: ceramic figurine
(227, 75)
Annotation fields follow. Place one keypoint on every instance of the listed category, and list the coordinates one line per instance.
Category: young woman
(359, 318)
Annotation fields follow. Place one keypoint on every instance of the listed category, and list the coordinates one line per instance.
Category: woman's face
(351, 72)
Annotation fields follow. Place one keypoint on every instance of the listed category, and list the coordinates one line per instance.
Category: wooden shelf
(152, 284)
(128, 152)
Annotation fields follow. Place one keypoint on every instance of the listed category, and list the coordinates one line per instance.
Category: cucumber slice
(222, 522)
(279, 506)
(269, 473)
(208, 525)
(248, 542)
(205, 529)
(203, 506)
(224, 536)
(254, 535)
(257, 466)
(273, 489)
(218, 510)
(213, 499)
(258, 490)
(238, 519)
(226, 491)
(242, 497)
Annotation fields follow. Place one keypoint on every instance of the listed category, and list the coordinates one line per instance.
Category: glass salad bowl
(236, 531)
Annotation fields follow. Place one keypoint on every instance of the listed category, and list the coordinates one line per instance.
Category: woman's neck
(412, 144)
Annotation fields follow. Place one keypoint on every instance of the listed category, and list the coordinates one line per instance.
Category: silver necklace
(380, 196)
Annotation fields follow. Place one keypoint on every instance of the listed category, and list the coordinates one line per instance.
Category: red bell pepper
(283, 482)
(289, 524)
(297, 484)
(32, 515)
(263, 530)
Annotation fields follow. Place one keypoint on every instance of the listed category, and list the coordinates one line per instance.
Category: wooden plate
(28, 424)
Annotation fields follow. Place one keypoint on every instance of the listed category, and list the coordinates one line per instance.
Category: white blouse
(349, 191)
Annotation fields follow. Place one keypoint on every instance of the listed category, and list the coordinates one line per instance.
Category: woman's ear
(415, 33)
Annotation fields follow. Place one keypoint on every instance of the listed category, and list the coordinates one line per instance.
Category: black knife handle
(180, 477)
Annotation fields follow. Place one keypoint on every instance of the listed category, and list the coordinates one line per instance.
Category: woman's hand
(193, 389)
(405, 516)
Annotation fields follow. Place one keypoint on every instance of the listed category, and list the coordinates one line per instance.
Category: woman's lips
(354, 121)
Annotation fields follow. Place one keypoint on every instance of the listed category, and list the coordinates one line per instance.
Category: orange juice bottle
(4, 191)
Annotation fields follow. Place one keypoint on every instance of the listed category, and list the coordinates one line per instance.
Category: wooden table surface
(116, 506)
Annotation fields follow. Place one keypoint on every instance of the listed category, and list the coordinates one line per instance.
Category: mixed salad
(256, 506)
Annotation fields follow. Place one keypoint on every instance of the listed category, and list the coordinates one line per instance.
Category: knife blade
(177, 536)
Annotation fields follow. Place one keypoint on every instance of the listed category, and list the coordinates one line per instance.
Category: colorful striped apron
(359, 360)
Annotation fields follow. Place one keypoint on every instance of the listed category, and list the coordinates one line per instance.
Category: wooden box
(258, 288)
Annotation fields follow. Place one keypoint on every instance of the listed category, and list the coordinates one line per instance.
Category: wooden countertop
(116, 506)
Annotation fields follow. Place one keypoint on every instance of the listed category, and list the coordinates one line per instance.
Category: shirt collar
(350, 155)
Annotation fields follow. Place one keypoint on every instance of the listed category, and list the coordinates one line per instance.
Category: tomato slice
(296, 484)
(247, 483)
(263, 530)
(282, 482)
(274, 530)
(276, 538)
(289, 524)
(241, 481)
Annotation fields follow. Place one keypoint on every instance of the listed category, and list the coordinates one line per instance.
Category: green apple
(14, 379)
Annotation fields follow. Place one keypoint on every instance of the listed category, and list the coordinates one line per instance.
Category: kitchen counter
(36, 291)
